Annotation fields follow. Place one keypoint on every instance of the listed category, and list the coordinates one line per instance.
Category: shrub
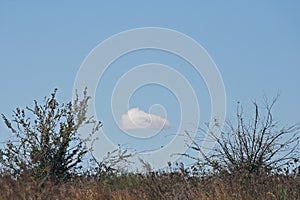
(259, 145)
(46, 141)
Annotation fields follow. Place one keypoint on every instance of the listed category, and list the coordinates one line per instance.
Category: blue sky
(255, 46)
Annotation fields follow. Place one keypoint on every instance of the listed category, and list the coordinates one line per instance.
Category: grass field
(154, 185)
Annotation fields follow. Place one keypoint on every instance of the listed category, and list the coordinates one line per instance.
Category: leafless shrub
(259, 145)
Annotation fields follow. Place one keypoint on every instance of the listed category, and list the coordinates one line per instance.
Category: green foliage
(46, 141)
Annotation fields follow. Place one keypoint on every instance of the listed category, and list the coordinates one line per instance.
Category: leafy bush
(46, 141)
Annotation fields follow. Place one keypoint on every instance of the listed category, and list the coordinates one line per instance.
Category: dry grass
(155, 186)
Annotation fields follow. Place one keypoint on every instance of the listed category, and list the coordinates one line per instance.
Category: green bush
(46, 141)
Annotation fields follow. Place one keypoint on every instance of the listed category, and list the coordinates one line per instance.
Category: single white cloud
(138, 119)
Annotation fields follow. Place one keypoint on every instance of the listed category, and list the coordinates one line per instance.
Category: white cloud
(138, 119)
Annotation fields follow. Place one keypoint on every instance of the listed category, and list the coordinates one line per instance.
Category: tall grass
(155, 185)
